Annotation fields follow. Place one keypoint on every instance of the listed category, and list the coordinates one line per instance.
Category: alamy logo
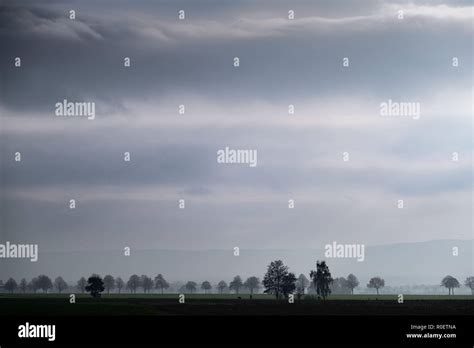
(335, 250)
(228, 155)
(84, 109)
(37, 331)
(391, 108)
(22, 251)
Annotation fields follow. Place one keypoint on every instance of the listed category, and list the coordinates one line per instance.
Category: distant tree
(161, 283)
(222, 286)
(119, 283)
(352, 282)
(95, 285)
(450, 283)
(23, 285)
(146, 283)
(236, 284)
(322, 279)
(252, 283)
(278, 281)
(60, 284)
(191, 286)
(469, 282)
(376, 283)
(81, 284)
(133, 283)
(33, 285)
(340, 286)
(10, 285)
(109, 283)
(301, 284)
(206, 286)
(44, 283)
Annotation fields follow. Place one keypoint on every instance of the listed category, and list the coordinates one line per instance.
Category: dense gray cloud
(174, 156)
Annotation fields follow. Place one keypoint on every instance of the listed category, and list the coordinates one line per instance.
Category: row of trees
(277, 281)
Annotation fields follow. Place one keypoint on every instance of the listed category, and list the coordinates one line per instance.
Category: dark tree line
(277, 281)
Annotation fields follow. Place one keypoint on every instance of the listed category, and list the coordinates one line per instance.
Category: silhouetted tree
(236, 284)
(190, 286)
(10, 285)
(352, 282)
(146, 283)
(133, 283)
(252, 283)
(301, 284)
(33, 285)
(450, 283)
(469, 282)
(376, 283)
(222, 286)
(81, 284)
(60, 284)
(95, 285)
(23, 285)
(44, 283)
(321, 279)
(109, 283)
(161, 283)
(206, 286)
(278, 281)
(119, 283)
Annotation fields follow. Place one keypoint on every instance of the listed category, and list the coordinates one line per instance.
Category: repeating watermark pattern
(345, 251)
(400, 109)
(75, 109)
(19, 251)
(237, 156)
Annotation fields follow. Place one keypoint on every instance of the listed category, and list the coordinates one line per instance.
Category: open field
(229, 304)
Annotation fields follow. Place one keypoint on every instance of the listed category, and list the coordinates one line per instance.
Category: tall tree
(376, 283)
(11, 285)
(191, 286)
(33, 285)
(23, 285)
(206, 286)
(252, 283)
(301, 284)
(119, 283)
(222, 286)
(81, 284)
(60, 284)
(161, 283)
(450, 283)
(236, 284)
(146, 283)
(95, 285)
(469, 282)
(352, 282)
(133, 283)
(278, 281)
(44, 283)
(109, 283)
(321, 279)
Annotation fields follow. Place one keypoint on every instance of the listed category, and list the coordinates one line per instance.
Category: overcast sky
(173, 156)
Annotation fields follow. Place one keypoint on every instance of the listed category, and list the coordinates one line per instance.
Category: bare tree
(23, 285)
(206, 286)
(352, 282)
(376, 283)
